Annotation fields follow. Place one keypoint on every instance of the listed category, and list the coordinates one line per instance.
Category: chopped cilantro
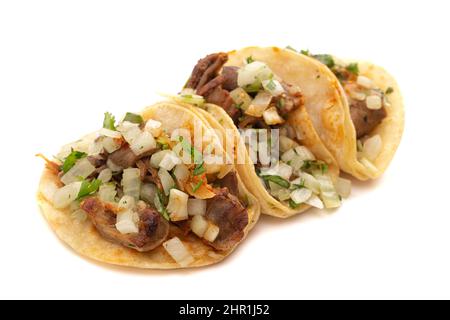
(389, 90)
(326, 59)
(305, 52)
(278, 180)
(197, 186)
(353, 68)
(250, 59)
(315, 165)
(299, 186)
(188, 148)
(109, 122)
(280, 103)
(160, 201)
(134, 118)
(199, 169)
(71, 159)
(89, 187)
(238, 106)
(291, 48)
(293, 204)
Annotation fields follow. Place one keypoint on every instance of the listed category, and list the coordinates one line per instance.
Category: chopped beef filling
(225, 211)
(153, 229)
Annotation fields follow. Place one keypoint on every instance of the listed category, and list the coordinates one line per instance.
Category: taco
(364, 132)
(256, 89)
(141, 193)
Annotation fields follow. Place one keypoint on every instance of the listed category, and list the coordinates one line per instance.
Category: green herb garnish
(326, 59)
(195, 154)
(293, 204)
(278, 180)
(271, 85)
(160, 201)
(71, 159)
(280, 103)
(134, 118)
(315, 165)
(238, 106)
(199, 169)
(249, 60)
(291, 48)
(305, 52)
(89, 187)
(109, 122)
(197, 186)
(389, 90)
(353, 68)
(299, 186)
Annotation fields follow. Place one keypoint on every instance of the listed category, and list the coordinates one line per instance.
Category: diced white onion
(176, 249)
(271, 116)
(304, 153)
(82, 169)
(158, 157)
(154, 127)
(129, 130)
(297, 163)
(166, 180)
(287, 144)
(64, 196)
(369, 165)
(181, 174)
(273, 86)
(360, 96)
(372, 147)
(105, 175)
(178, 205)
(107, 192)
(127, 222)
(343, 187)
(331, 200)
(127, 202)
(288, 155)
(310, 182)
(196, 207)
(279, 192)
(326, 184)
(114, 167)
(253, 72)
(111, 144)
(169, 161)
(211, 233)
(374, 102)
(263, 99)
(241, 98)
(144, 142)
(364, 82)
(315, 202)
(199, 225)
(301, 195)
(282, 170)
(110, 133)
(96, 147)
(131, 182)
(148, 192)
(256, 110)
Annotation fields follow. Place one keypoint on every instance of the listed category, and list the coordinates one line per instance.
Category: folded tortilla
(83, 237)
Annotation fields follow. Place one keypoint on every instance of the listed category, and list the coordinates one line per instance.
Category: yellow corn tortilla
(83, 238)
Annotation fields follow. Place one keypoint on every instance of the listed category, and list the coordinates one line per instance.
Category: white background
(64, 63)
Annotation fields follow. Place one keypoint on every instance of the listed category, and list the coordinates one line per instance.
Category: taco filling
(367, 105)
(256, 98)
(132, 181)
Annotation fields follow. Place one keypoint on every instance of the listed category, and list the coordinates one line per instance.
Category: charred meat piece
(230, 75)
(230, 182)
(206, 69)
(290, 100)
(222, 98)
(225, 211)
(217, 81)
(124, 157)
(153, 229)
(365, 119)
(97, 161)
